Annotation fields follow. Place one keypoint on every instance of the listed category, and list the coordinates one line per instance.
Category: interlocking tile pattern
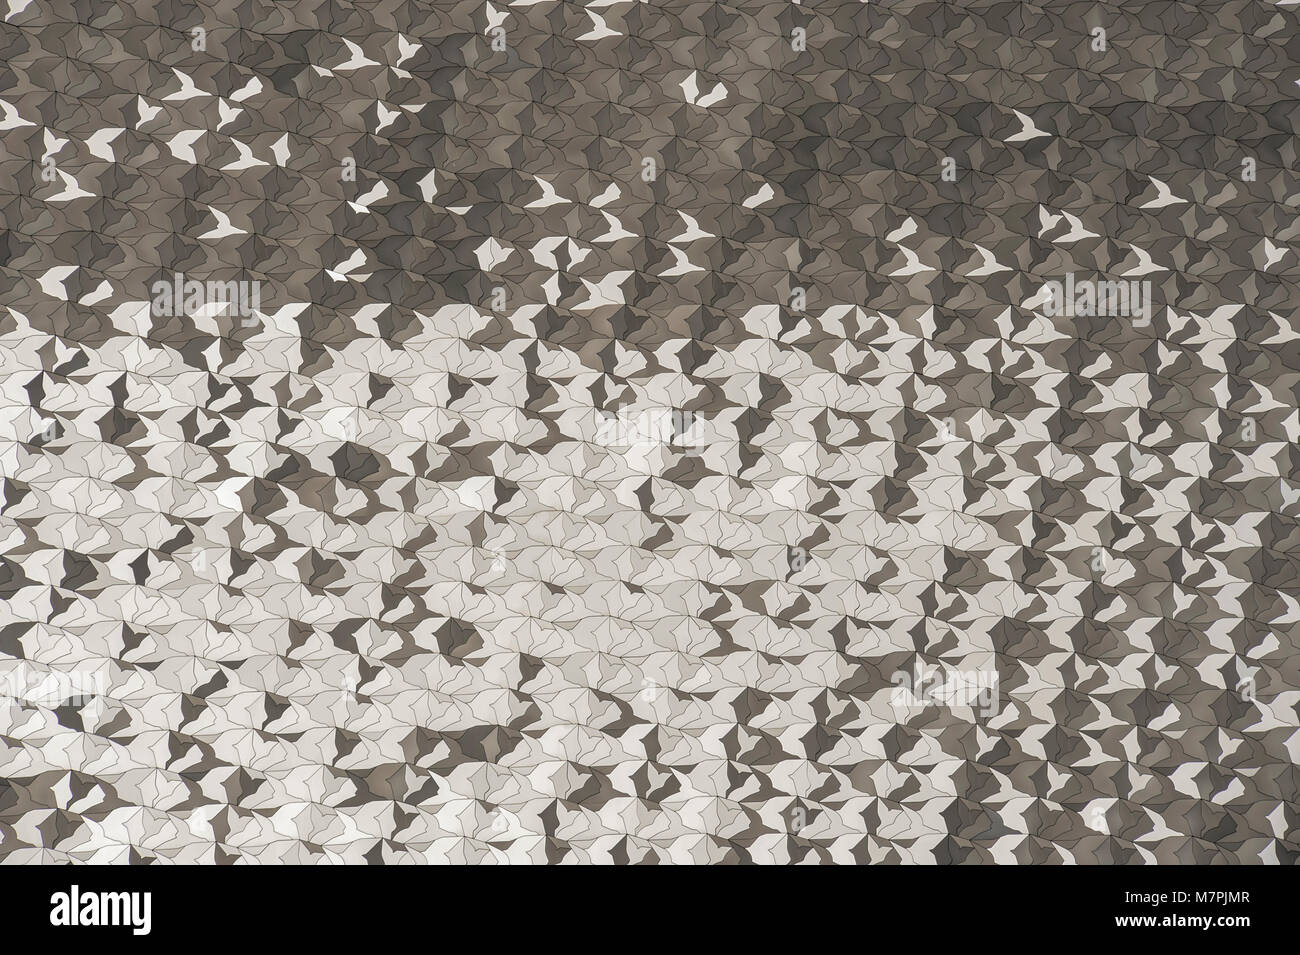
(675, 432)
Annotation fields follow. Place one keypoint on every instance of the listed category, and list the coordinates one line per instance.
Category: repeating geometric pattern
(646, 432)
